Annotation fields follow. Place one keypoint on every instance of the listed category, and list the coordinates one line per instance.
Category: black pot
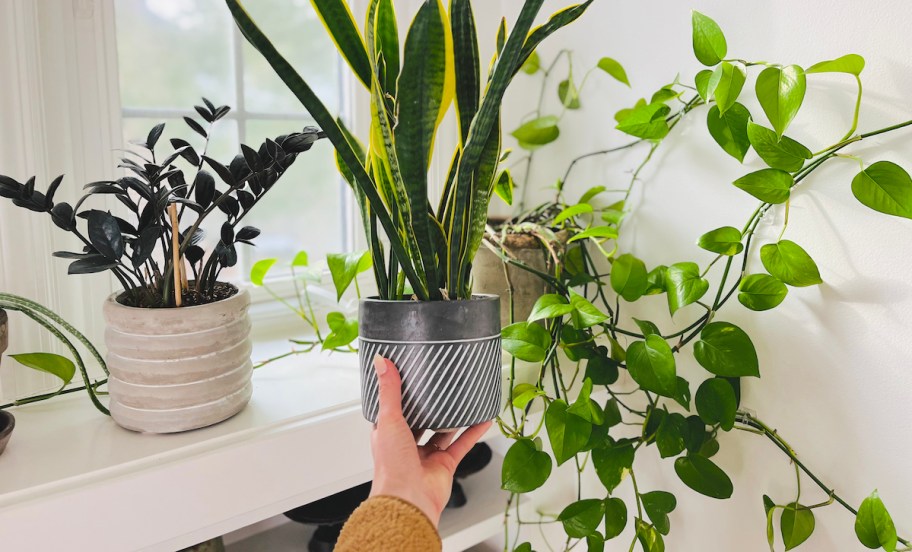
(448, 353)
(7, 423)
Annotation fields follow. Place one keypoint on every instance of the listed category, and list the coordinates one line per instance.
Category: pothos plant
(411, 88)
(145, 247)
(588, 417)
(343, 330)
(59, 366)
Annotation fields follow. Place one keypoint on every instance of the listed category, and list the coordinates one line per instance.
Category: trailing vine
(580, 341)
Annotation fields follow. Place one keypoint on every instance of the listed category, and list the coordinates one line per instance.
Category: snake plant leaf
(483, 124)
(305, 94)
(421, 95)
(340, 23)
(467, 64)
(557, 21)
(386, 46)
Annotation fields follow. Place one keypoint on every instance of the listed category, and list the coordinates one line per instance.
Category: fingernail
(380, 365)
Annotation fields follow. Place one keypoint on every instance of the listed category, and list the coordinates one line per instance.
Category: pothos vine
(587, 417)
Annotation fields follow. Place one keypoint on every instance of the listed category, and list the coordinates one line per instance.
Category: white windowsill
(301, 438)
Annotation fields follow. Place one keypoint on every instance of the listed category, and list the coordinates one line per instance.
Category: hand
(421, 475)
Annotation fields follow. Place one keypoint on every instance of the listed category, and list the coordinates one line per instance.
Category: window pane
(304, 209)
(172, 52)
(299, 35)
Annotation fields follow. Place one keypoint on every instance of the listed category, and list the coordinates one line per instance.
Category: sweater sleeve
(388, 524)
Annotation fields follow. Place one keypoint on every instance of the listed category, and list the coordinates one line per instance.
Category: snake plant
(412, 86)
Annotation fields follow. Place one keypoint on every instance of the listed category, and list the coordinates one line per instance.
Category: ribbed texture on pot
(178, 369)
(448, 354)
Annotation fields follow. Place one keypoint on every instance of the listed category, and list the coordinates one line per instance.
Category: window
(173, 52)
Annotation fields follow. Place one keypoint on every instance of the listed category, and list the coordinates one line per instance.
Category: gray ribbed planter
(448, 353)
(178, 369)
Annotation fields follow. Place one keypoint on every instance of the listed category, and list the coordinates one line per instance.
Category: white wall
(836, 360)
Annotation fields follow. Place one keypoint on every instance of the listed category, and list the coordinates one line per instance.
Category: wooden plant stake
(175, 255)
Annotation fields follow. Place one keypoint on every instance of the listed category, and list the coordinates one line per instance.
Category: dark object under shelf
(329, 514)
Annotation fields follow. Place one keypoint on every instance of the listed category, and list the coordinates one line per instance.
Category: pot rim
(8, 424)
(241, 293)
(480, 297)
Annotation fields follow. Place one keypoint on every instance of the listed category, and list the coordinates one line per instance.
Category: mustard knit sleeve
(388, 524)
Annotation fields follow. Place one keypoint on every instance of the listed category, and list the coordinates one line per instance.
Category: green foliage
(702, 475)
(729, 129)
(684, 285)
(885, 187)
(726, 350)
(657, 505)
(716, 403)
(874, 526)
(537, 132)
(58, 366)
(761, 292)
(769, 185)
(526, 341)
(780, 91)
(440, 65)
(628, 277)
(790, 263)
(708, 41)
(567, 432)
(796, 524)
(581, 518)
(613, 68)
(724, 241)
(652, 365)
(345, 267)
(525, 467)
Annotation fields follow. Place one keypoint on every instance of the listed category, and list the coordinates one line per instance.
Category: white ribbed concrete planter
(178, 369)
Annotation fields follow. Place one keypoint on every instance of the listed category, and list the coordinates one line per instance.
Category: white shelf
(103, 488)
(460, 528)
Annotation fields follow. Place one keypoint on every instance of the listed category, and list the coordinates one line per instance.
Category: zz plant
(587, 416)
(411, 85)
(138, 249)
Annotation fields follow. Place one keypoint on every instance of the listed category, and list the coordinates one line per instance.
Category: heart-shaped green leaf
(780, 91)
(550, 305)
(852, 64)
(708, 41)
(885, 187)
(726, 83)
(628, 277)
(611, 461)
(796, 525)
(343, 331)
(790, 263)
(613, 68)
(729, 129)
(779, 153)
(537, 132)
(568, 433)
(684, 285)
(581, 518)
(703, 476)
(525, 468)
(769, 185)
(658, 504)
(652, 365)
(724, 241)
(873, 525)
(526, 341)
(615, 517)
(716, 403)
(726, 350)
(760, 292)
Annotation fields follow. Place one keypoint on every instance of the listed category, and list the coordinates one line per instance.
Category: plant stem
(752, 421)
